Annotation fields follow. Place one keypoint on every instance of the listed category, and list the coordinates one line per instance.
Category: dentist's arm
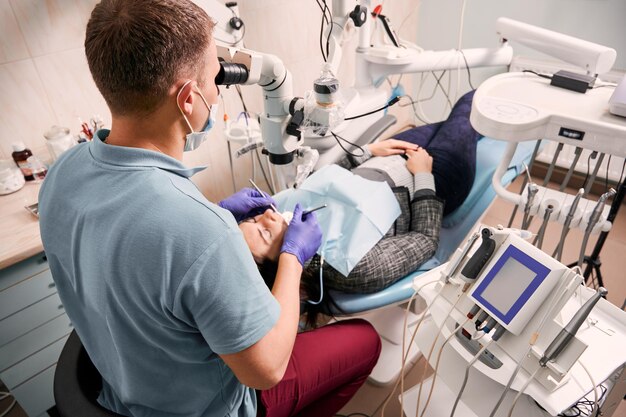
(263, 364)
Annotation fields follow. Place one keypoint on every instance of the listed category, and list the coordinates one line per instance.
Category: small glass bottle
(37, 167)
(20, 155)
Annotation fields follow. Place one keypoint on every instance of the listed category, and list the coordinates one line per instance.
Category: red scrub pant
(327, 366)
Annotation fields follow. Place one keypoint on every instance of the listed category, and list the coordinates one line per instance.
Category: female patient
(420, 183)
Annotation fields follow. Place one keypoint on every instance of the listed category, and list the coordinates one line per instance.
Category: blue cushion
(455, 226)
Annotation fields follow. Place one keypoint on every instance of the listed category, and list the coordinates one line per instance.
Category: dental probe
(307, 212)
(569, 331)
(256, 187)
(593, 219)
(558, 252)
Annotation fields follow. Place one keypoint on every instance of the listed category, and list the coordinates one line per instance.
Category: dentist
(158, 281)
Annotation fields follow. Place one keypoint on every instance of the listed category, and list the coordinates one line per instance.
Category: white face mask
(193, 140)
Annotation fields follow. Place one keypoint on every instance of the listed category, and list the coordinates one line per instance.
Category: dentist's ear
(185, 97)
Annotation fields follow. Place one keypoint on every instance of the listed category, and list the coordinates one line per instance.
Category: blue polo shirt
(157, 280)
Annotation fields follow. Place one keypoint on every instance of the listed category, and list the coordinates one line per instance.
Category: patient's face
(264, 235)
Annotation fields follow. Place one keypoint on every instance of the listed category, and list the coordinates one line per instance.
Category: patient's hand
(419, 161)
(391, 147)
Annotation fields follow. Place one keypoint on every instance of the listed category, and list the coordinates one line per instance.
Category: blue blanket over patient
(452, 144)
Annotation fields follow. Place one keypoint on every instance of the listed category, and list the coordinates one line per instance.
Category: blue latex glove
(303, 237)
(244, 201)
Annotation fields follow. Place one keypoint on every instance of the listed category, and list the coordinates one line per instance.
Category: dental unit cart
(541, 333)
(512, 331)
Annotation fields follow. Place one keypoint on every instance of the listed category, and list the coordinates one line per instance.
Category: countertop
(19, 229)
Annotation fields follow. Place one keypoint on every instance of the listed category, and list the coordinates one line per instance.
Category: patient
(429, 165)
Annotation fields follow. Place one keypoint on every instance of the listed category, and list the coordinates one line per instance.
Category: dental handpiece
(544, 224)
(561, 341)
(558, 252)
(532, 192)
(597, 210)
(479, 259)
(459, 259)
(593, 220)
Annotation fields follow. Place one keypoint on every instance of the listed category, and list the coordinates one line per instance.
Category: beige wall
(44, 78)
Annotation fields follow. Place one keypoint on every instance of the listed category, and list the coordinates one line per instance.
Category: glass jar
(58, 140)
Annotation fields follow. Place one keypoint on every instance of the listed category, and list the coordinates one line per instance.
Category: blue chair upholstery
(455, 226)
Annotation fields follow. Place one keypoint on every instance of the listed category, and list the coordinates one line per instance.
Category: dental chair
(455, 227)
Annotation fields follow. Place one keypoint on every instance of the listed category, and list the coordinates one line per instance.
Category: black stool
(77, 383)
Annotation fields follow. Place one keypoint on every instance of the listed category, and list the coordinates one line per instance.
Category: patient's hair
(310, 284)
(137, 49)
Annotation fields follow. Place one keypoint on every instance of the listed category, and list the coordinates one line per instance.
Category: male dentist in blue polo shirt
(158, 281)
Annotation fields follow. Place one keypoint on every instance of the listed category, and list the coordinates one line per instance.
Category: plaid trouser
(410, 242)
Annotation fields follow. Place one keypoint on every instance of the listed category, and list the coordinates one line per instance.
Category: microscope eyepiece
(231, 74)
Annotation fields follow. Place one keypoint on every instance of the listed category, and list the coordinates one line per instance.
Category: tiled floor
(369, 398)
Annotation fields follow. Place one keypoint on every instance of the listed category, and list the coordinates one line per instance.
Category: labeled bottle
(20, 155)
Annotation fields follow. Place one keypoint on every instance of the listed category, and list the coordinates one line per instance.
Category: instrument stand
(593, 262)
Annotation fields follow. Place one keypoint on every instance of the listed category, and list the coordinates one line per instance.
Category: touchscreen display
(508, 285)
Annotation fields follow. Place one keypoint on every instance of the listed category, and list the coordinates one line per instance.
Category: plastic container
(11, 178)
(20, 155)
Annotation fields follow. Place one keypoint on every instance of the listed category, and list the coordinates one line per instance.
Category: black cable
(328, 21)
(585, 406)
(390, 103)
(338, 138)
(432, 94)
(539, 75)
(621, 180)
(352, 415)
(443, 90)
(469, 74)
(606, 177)
(323, 11)
(412, 103)
(588, 167)
(437, 84)
(330, 32)
(322, 34)
(243, 26)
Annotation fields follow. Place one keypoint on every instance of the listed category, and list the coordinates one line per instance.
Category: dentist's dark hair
(136, 50)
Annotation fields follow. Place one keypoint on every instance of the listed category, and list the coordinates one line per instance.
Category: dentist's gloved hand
(303, 237)
(244, 201)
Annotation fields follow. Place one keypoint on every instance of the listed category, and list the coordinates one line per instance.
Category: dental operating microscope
(301, 134)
